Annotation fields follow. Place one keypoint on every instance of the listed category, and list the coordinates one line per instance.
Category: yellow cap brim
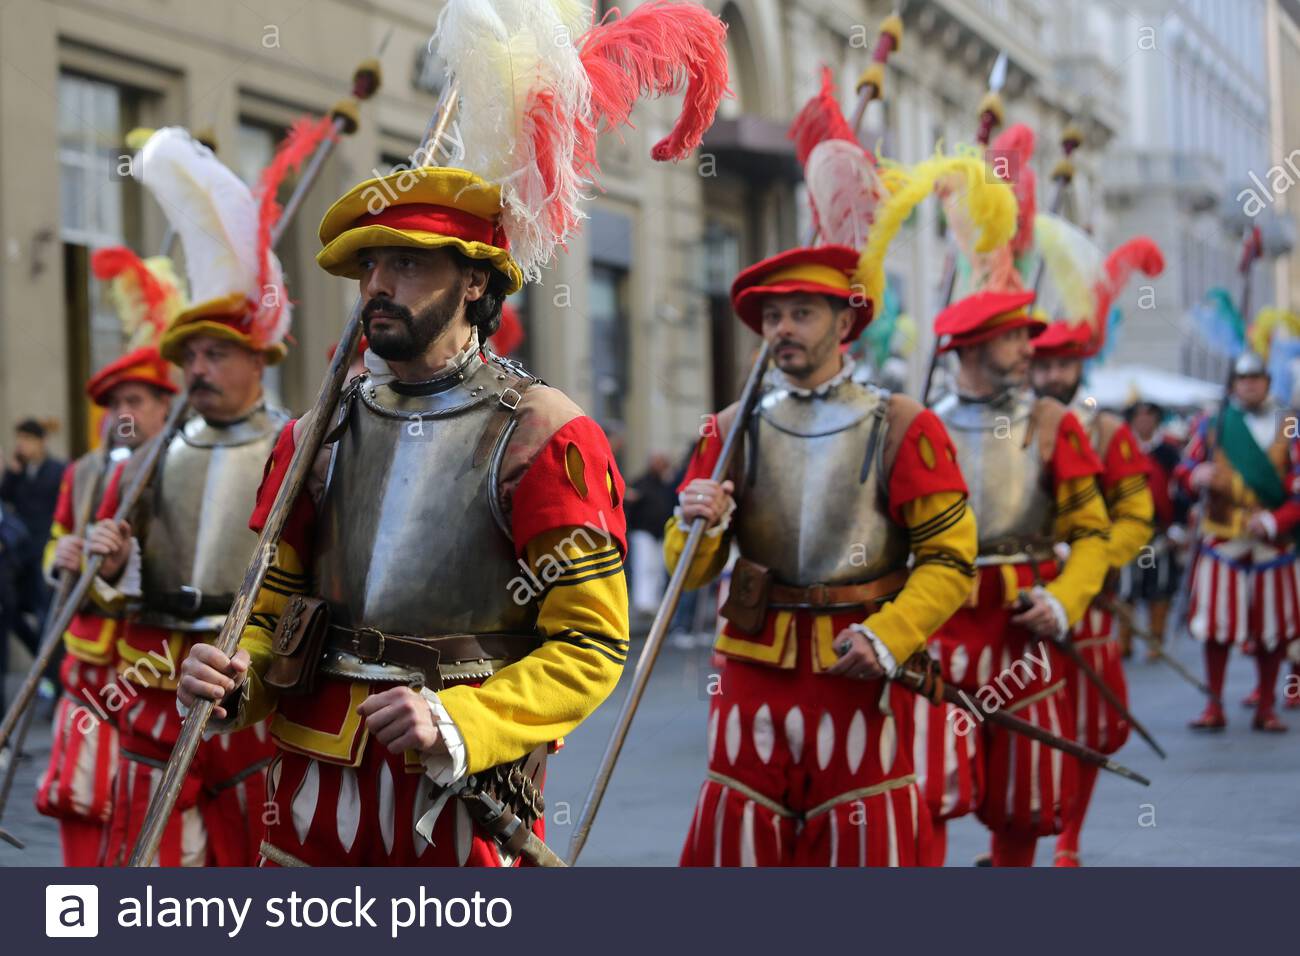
(195, 321)
(432, 185)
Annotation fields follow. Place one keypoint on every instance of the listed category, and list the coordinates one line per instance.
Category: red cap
(825, 270)
(1064, 339)
(985, 315)
(144, 365)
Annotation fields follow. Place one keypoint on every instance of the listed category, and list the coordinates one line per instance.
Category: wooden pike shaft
(659, 629)
(1125, 613)
(304, 455)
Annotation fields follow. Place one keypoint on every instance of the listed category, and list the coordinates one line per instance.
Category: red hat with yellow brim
(825, 270)
(1065, 340)
(430, 207)
(225, 318)
(983, 316)
(143, 365)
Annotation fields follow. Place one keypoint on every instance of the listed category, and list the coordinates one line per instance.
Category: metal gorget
(1009, 491)
(196, 543)
(412, 538)
(812, 505)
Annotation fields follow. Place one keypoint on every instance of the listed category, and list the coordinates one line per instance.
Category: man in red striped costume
(1059, 354)
(1245, 465)
(1033, 479)
(77, 788)
(840, 483)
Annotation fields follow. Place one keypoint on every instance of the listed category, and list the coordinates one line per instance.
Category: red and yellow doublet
(338, 797)
(806, 768)
(1019, 788)
(217, 820)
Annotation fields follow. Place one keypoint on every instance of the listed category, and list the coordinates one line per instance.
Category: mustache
(390, 308)
(201, 385)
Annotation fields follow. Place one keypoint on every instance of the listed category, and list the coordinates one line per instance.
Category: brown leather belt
(832, 596)
(427, 653)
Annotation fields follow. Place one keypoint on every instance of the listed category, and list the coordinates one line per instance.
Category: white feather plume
(845, 191)
(215, 217)
(518, 46)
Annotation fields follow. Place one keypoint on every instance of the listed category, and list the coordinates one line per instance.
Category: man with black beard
(1057, 373)
(1032, 476)
(447, 600)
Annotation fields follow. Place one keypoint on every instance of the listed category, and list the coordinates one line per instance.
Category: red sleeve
(297, 528)
(1073, 455)
(112, 493)
(548, 497)
(923, 468)
(1124, 458)
(63, 511)
(707, 451)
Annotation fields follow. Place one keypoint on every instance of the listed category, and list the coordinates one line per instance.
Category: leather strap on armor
(833, 597)
(511, 395)
(425, 654)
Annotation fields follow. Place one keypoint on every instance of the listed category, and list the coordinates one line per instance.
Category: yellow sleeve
(1132, 512)
(1082, 523)
(285, 578)
(57, 531)
(584, 623)
(944, 546)
(710, 557)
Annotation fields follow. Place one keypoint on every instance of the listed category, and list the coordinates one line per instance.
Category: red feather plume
(821, 119)
(301, 141)
(1016, 145)
(1136, 255)
(657, 49)
(113, 261)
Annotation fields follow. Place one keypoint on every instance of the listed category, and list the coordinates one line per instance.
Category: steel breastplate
(197, 541)
(411, 538)
(1009, 492)
(805, 511)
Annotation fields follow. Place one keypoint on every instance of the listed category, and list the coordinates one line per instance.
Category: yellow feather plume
(980, 208)
(1268, 322)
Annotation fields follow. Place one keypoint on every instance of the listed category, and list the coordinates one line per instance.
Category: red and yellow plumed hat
(147, 296)
(236, 283)
(1087, 285)
(429, 207)
(985, 315)
(824, 270)
(144, 365)
(531, 110)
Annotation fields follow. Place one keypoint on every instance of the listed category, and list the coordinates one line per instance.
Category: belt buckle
(818, 595)
(379, 644)
(195, 596)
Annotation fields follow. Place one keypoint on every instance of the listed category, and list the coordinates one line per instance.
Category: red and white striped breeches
(1015, 785)
(1245, 593)
(325, 814)
(1097, 725)
(218, 819)
(807, 770)
(78, 783)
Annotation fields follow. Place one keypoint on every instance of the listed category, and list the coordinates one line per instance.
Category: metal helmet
(1249, 362)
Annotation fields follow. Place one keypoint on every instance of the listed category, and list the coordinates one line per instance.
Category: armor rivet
(501, 378)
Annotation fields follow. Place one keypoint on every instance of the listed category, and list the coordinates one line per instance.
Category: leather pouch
(298, 645)
(746, 605)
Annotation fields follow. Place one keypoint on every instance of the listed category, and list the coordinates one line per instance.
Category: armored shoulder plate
(813, 504)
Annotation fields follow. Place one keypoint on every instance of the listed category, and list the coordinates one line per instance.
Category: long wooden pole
(659, 629)
(304, 456)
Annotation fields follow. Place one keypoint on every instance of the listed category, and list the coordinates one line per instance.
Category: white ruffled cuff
(883, 657)
(1058, 612)
(717, 530)
(446, 768)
